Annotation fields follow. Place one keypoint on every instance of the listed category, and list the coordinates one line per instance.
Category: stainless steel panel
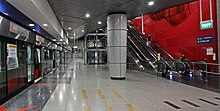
(4, 26)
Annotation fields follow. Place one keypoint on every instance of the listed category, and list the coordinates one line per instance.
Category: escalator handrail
(154, 53)
(145, 61)
(154, 42)
(142, 43)
(138, 50)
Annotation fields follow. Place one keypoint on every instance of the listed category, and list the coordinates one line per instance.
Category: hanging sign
(206, 24)
(12, 59)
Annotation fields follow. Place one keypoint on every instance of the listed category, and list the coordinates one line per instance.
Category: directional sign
(205, 39)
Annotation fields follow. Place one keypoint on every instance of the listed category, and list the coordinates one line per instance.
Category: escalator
(138, 57)
(149, 54)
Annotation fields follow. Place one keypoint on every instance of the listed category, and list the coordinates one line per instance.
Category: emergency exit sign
(206, 24)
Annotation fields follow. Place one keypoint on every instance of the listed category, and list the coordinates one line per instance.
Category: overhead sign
(18, 30)
(206, 24)
(39, 39)
(12, 59)
(205, 39)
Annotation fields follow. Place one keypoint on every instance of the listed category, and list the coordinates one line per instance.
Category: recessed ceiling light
(151, 3)
(87, 15)
(31, 25)
(54, 40)
(70, 28)
(45, 25)
(83, 31)
(61, 39)
(71, 37)
(99, 22)
(64, 43)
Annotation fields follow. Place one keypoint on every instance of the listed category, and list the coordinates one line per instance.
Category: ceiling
(71, 13)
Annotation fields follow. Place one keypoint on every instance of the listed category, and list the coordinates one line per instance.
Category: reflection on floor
(198, 79)
(78, 87)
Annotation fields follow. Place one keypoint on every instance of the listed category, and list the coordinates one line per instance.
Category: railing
(207, 68)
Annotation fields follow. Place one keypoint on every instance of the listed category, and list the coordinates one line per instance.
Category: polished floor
(78, 87)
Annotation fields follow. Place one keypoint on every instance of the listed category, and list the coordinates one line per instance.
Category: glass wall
(3, 83)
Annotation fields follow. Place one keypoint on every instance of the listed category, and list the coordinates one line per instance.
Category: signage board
(205, 39)
(20, 31)
(209, 51)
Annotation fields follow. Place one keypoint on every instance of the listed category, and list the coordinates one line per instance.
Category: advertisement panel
(12, 59)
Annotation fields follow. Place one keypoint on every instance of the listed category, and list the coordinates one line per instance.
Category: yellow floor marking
(109, 108)
(101, 94)
(116, 93)
(87, 108)
(84, 94)
(130, 107)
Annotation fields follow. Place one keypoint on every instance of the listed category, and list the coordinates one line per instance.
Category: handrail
(137, 49)
(154, 42)
(142, 43)
(163, 50)
(145, 61)
(154, 53)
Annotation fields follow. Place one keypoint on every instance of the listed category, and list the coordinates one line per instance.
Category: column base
(118, 78)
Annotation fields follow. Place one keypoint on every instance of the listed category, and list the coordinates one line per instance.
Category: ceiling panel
(71, 13)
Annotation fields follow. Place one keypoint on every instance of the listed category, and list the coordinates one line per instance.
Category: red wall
(179, 35)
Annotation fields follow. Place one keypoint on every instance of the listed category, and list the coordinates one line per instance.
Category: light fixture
(83, 31)
(151, 3)
(70, 28)
(87, 15)
(34, 30)
(99, 22)
(61, 39)
(71, 37)
(31, 25)
(45, 25)
(54, 40)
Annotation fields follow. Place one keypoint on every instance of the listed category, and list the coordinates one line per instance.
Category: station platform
(78, 87)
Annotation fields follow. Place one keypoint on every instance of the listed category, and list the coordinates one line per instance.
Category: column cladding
(117, 45)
